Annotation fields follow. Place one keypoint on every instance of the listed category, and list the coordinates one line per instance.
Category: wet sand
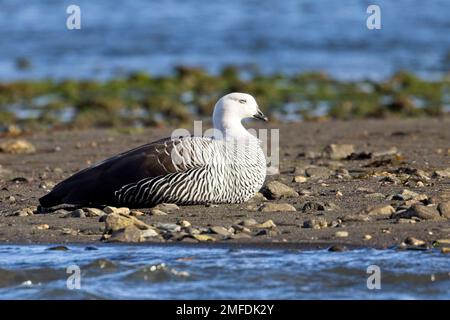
(338, 192)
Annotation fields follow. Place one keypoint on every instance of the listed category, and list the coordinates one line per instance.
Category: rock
(444, 209)
(11, 199)
(339, 151)
(341, 234)
(419, 211)
(23, 212)
(220, 231)
(78, 213)
(157, 212)
(43, 227)
(318, 223)
(266, 225)
(93, 212)
(185, 224)
(414, 242)
(170, 227)
(136, 213)
(203, 237)
(300, 179)
(367, 237)
(259, 197)
(381, 210)
(127, 234)
(277, 190)
(318, 172)
(122, 210)
(445, 250)
(240, 228)
(117, 221)
(310, 206)
(149, 233)
(69, 232)
(410, 195)
(277, 207)
(167, 207)
(439, 242)
(58, 248)
(337, 248)
(445, 173)
(247, 222)
(17, 147)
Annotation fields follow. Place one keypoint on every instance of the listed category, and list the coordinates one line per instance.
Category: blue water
(187, 272)
(273, 36)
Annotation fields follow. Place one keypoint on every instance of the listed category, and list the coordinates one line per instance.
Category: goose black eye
(243, 101)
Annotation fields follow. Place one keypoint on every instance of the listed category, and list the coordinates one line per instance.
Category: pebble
(93, 212)
(25, 212)
(170, 227)
(241, 228)
(444, 209)
(11, 199)
(318, 172)
(381, 210)
(167, 207)
(278, 190)
(115, 222)
(445, 173)
(203, 237)
(338, 151)
(409, 195)
(318, 223)
(277, 207)
(414, 242)
(247, 222)
(220, 231)
(341, 234)
(185, 224)
(122, 210)
(445, 250)
(43, 227)
(310, 206)
(149, 233)
(266, 225)
(17, 147)
(300, 179)
(367, 237)
(157, 212)
(58, 248)
(78, 213)
(419, 211)
(337, 248)
(127, 234)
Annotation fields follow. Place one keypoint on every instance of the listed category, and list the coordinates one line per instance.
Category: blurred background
(329, 61)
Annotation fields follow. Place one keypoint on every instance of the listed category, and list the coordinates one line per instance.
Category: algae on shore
(140, 99)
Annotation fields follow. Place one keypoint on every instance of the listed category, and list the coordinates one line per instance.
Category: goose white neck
(230, 127)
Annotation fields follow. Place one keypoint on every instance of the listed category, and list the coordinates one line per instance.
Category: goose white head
(229, 112)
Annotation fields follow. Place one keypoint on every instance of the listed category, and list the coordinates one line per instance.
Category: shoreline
(331, 201)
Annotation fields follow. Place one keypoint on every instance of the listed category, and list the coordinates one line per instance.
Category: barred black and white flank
(228, 167)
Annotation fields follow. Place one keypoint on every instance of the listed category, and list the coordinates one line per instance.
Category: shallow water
(187, 272)
(275, 36)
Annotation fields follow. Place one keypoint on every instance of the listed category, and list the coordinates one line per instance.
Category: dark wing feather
(96, 185)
